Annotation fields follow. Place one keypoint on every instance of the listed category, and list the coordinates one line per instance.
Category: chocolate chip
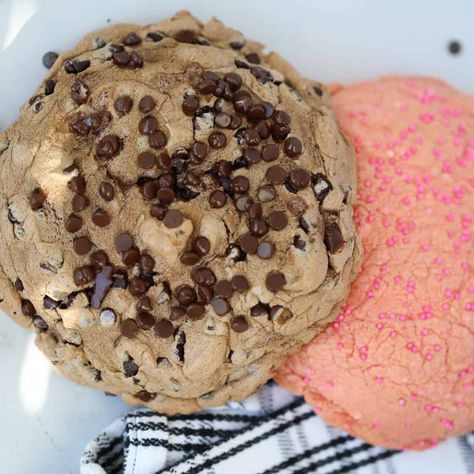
(186, 295)
(145, 396)
(49, 59)
(224, 169)
(79, 202)
(299, 243)
(129, 328)
(158, 211)
(255, 210)
(275, 280)
(164, 328)
(106, 191)
(100, 218)
(275, 175)
(203, 276)
(191, 178)
(163, 161)
(157, 140)
(189, 258)
(36, 199)
(270, 152)
(252, 155)
(242, 101)
(240, 184)
(146, 104)
(76, 66)
(108, 147)
(177, 313)
(113, 48)
(49, 86)
(454, 47)
(241, 64)
(260, 309)
(222, 120)
(220, 306)
(261, 74)
(123, 104)
(240, 283)
(190, 104)
(266, 193)
(145, 320)
(185, 36)
(252, 58)
(205, 293)
(237, 44)
(217, 199)
(251, 137)
(293, 147)
(223, 288)
(103, 282)
(256, 112)
(201, 246)
(165, 196)
(40, 323)
(242, 203)
(136, 61)
(235, 122)
(107, 317)
(77, 184)
(321, 186)
(299, 178)
(206, 86)
(138, 286)
(123, 242)
(277, 220)
(146, 262)
(234, 80)
(249, 244)
(173, 219)
(146, 160)
(318, 90)
(73, 223)
(121, 58)
(130, 257)
(19, 285)
(27, 308)
(195, 311)
(263, 130)
(131, 39)
(82, 245)
(269, 109)
(148, 125)
(79, 92)
(258, 227)
(99, 259)
(239, 324)
(155, 36)
(223, 90)
(166, 180)
(129, 367)
(144, 304)
(217, 140)
(265, 250)
(333, 237)
(84, 275)
(200, 150)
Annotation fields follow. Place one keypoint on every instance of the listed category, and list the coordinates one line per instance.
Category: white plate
(44, 420)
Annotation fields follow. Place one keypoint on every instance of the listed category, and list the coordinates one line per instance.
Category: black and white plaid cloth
(271, 432)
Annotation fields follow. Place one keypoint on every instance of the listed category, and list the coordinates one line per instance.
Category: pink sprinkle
(339, 345)
(376, 426)
(429, 357)
(379, 325)
(402, 401)
(393, 334)
(425, 331)
(306, 379)
(378, 379)
(437, 347)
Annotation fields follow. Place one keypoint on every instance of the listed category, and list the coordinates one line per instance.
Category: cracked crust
(204, 363)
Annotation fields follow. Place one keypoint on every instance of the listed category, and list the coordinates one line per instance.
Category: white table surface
(44, 420)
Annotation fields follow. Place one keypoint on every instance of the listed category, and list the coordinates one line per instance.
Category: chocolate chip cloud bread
(173, 203)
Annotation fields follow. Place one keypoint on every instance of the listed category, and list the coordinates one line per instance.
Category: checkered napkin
(271, 432)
